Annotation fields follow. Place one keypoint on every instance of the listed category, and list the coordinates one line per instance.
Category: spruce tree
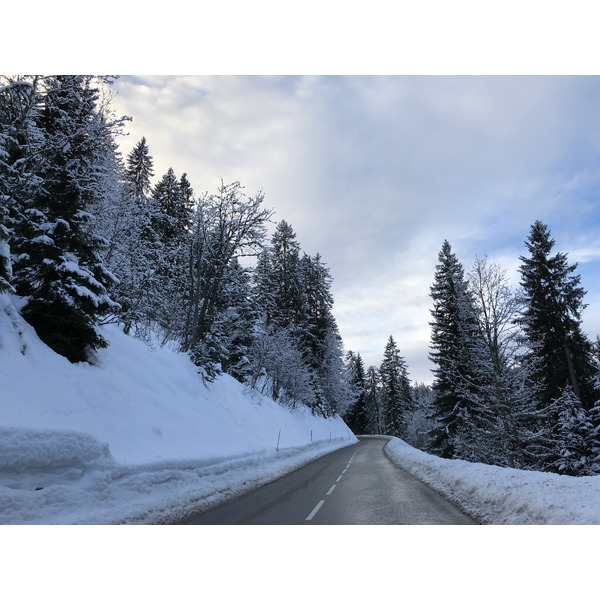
(58, 265)
(552, 302)
(285, 261)
(397, 397)
(264, 285)
(373, 401)
(19, 149)
(139, 172)
(463, 369)
(574, 438)
(133, 244)
(356, 418)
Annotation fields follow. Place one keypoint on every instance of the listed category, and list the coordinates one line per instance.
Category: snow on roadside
(70, 478)
(503, 496)
(136, 438)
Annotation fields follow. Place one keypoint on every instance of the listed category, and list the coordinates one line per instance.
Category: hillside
(137, 437)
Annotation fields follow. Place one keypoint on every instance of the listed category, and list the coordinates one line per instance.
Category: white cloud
(375, 172)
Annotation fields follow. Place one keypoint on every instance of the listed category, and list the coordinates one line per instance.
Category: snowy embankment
(502, 496)
(137, 437)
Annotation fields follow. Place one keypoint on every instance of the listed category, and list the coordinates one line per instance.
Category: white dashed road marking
(321, 502)
(314, 510)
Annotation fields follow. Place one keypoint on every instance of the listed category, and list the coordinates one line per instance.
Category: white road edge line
(314, 510)
(330, 490)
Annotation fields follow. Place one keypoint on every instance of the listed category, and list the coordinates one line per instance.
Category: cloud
(375, 172)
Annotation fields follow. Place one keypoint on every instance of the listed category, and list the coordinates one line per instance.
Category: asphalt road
(356, 485)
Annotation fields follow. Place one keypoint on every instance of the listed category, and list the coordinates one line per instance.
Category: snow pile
(503, 496)
(136, 438)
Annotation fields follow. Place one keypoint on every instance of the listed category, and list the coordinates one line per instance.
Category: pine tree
(552, 303)
(265, 285)
(420, 421)
(134, 245)
(356, 418)
(285, 261)
(463, 369)
(594, 415)
(397, 398)
(139, 172)
(58, 265)
(174, 202)
(19, 148)
(317, 303)
(574, 438)
(234, 323)
(373, 401)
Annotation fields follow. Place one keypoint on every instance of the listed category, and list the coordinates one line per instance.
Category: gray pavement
(355, 485)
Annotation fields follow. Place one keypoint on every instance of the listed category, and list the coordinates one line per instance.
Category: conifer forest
(89, 237)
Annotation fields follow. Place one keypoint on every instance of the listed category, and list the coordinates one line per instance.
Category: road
(352, 486)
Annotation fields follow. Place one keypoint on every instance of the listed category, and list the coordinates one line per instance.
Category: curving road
(356, 485)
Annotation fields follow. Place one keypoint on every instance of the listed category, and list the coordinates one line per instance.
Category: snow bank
(503, 496)
(23, 449)
(136, 438)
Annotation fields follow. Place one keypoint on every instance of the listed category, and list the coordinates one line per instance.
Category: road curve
(356, 485)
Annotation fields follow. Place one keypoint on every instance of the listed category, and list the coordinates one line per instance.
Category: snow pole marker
(278, 438)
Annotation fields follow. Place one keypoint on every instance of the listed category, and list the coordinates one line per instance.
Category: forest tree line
(516, 380)
(87, 239)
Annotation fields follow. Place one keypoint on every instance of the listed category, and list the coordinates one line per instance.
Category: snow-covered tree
(139, 172)
(285, 263)
(356, 417)
(397, 398)
(226, 225)
(373, 401)
(278, 368)
(574, 437)
(264, 285)
(134, 248)
(19, 144)
(419, 421)
(57, 263)
(552, 302)
(463, 368)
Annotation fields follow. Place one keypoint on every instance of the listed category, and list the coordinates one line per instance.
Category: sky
(375, 172)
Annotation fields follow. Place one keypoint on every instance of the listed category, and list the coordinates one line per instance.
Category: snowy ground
(137, 438)
(501, 496)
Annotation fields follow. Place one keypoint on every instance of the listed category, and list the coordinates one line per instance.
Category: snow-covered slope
(138, 437)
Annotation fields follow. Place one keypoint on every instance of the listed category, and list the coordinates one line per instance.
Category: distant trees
(396, 394)
(357, 417)
(293, 296)
(382, 401)
(516, 381)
